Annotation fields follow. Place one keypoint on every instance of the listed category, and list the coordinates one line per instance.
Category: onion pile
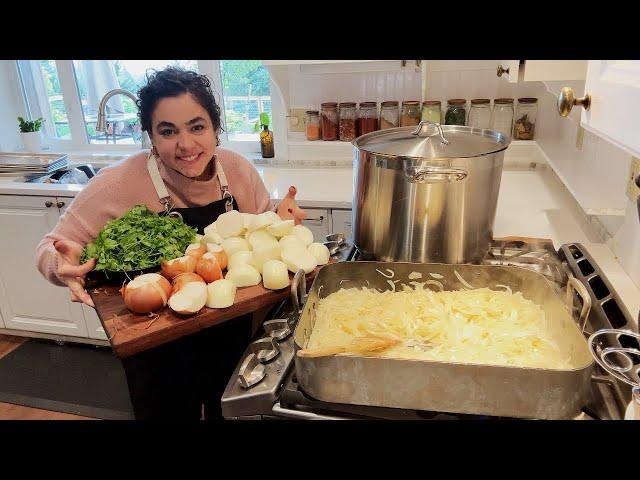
(251, 248)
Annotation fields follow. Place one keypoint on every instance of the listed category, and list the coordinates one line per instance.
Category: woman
(184, 172)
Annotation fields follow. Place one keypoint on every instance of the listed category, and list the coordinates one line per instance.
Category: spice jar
(312, 125)
(456, 112)
(329, 120)
(432, 111)
(410, 113)
(480, 113)
(525, 124)
(347, 121)
(367, 117)
(389, 115)
(502, 116)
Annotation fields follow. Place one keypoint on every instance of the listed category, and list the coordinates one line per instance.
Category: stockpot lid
(425, 141)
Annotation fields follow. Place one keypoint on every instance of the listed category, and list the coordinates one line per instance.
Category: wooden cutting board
(131, 333)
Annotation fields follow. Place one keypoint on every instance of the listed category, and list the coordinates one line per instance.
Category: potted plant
(31, 134)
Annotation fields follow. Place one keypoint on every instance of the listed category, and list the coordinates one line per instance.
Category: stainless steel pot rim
(477, 142)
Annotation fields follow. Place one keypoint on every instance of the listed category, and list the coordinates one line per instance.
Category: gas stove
(264, 384)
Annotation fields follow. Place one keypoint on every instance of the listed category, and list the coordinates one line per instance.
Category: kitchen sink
(85, 173)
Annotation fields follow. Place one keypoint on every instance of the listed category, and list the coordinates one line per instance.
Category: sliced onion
(147, 293)
(221, 294)
(275, 275)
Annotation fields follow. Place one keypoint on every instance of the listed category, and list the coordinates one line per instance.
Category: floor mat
(71, 378)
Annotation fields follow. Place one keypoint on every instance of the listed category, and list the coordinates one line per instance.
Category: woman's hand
(288, 208)
(71, 273)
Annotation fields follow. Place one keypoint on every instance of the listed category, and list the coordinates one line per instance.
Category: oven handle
(278, 410)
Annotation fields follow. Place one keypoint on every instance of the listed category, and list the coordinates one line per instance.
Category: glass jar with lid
(367, 117)
(502, 116)
(456, 111)
(312, 124)
(329, 120)
(480, 113)
(347, 122)
(389, 114)
(410, 113)
(432, 111)
(526, 113)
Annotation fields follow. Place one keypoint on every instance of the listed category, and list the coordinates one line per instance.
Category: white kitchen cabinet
(614, 87)
(341, 222)
(318, 221)
(515, 71)
(27, 301)
(94, 326)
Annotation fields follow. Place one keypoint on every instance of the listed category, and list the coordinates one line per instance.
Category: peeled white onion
(248, 218)
(244, 275)
(238, 258)
(265, 252)
(146, 293)
(198, 238)
(275, 275)
(281, 228)
(230, 224)
(210, 229)
(296, 258)
(221, 294)
(262, 220)
(304, 234)
(232, 245)
(261, 238)
(291, 241)
(212, 237)
(190, 299)
(320, 252)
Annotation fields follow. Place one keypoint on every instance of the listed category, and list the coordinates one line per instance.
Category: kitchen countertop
(546, 210)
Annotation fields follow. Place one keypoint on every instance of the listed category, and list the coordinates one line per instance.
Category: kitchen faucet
(101, 122)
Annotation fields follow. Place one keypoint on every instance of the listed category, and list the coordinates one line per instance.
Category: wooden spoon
(364, 344)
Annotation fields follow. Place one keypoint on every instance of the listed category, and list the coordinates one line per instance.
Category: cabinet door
(614, 86)
(318, 221)
(513, 67)
(543, 70)
(27, 300)
(341, 222)
(94, 326)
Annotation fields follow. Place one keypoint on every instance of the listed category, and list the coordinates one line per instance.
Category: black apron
(187, 377)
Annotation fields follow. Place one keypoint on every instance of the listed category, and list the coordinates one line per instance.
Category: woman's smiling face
(183, 134)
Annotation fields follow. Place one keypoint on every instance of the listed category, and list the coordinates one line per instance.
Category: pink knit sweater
(119, 187)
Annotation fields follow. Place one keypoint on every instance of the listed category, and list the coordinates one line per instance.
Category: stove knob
(251, 371)
(277, 329)
(265, 349)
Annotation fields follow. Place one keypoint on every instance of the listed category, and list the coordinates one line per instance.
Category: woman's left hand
(288, 209)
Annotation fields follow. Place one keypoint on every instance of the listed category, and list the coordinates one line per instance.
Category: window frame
(79, 141)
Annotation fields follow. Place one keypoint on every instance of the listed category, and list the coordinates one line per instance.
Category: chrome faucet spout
(101, 121)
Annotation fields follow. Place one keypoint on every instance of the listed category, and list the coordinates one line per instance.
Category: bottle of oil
(266, 137)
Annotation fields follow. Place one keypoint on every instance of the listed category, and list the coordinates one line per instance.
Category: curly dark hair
(171, 82)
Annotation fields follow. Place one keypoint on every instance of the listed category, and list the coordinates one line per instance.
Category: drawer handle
(502, 70)
(48, 204)
(315, 219)
(60, 204)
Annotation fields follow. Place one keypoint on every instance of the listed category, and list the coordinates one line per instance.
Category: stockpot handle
(435, 174)
(424, 123)
(298, 290)
(575, 285)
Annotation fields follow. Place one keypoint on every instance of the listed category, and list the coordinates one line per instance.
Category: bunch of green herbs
(139, 239)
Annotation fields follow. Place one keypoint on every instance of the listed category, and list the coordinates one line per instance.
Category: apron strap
(165, 197)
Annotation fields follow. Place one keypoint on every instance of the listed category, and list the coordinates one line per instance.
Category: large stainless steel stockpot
(426, 194)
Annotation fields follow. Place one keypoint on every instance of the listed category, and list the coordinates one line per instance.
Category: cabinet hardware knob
(502, 70)
(403, 63)
(567, 100)
(48, 204)
(60, 204)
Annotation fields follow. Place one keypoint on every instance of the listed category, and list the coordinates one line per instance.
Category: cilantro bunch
(139, 239)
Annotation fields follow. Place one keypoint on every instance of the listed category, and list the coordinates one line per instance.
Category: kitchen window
(66, 93)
